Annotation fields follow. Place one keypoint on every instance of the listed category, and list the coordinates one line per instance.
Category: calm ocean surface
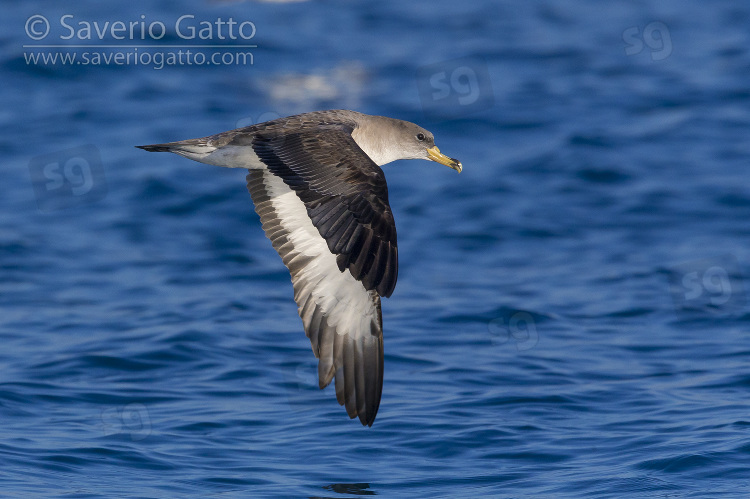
(571, 318)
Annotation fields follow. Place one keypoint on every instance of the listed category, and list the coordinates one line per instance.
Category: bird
(316, 183)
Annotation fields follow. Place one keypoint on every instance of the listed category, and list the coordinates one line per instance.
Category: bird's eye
(420, 137)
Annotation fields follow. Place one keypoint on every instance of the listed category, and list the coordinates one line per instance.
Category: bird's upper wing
(329, 219)
(346, 197)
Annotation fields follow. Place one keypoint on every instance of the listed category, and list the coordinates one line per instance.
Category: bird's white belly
(227, 156)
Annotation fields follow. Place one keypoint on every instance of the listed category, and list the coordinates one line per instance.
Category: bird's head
(420, 144)
(386, 139)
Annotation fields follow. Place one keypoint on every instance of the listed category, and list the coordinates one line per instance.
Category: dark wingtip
(365, 418)
(155, 148)
(369, 421)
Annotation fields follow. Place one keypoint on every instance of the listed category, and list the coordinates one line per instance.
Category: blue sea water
(571, 317)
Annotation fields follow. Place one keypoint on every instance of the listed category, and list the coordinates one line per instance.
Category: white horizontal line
(139, 46)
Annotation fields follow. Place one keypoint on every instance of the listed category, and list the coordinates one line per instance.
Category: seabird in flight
(316, 183)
